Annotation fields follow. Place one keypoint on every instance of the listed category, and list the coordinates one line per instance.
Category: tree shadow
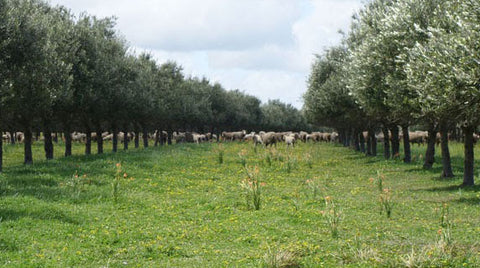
(452, 188)
(42, 214)
(468, 201)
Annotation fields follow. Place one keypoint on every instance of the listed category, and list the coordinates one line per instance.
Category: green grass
(179, 207)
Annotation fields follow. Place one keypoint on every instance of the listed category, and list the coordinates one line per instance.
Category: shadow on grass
(468, 201)
(452, 188)
(43, 214)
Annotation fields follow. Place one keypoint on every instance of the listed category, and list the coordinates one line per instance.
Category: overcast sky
(262, 47)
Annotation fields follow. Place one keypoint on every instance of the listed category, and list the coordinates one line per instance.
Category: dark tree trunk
(157, 138)
(12, 137)
(99, 141)
(115, 140)
(55, 137)
(28, 159)
(125, 139)
(137, 139)
(386, 143)
(145, 137)
(37, 135)
(88, 142)
(1, 152)
(373, 142)
(430, 153)
(47, 142)
(68, 142)
(446, 161)
(162, 138)
(169, 137)
(395, 141)
(369, 145)
(362, 142)
(468, 177)
(356, 141)
(406, 145)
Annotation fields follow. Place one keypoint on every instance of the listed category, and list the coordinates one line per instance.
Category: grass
(179, 206)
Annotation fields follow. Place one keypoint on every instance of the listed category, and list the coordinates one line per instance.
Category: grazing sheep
(257, 139)
(232, 136)
(269, 139)
(290, 140)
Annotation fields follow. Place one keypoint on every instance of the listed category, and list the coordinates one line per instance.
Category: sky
(262, 47)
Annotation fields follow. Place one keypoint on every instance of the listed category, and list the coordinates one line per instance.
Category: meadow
(231, 205)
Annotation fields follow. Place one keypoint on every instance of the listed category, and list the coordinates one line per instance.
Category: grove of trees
(61, 73)
(403, 63)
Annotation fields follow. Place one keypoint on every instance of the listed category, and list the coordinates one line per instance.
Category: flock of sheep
(260, 138)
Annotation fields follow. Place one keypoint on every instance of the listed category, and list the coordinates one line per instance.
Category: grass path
(178, 207)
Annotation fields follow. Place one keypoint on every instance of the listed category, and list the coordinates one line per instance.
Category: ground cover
(192, 205)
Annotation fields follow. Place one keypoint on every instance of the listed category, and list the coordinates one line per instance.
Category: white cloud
(264, 47)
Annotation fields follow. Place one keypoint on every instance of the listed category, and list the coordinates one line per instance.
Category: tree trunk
(125, 139)
(430, 153)
(406, 145)
(356, 140)
(68, 142)
(137, 138)
(369, 144)
(446, 161)
(162, 138)
(157, 138)
(55, 137)
(114, 140)
(373, 142)
(386, 143)
(99, 141)
(362, 142)
(395, 141)
(12, 137)
(145, 137)
(88, 142)
(468, 177)
(1, 152)
(169, 137)
(28, 158)
(47, 142)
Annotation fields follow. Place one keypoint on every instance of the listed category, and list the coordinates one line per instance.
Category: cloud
(190, 25)
(264, 47)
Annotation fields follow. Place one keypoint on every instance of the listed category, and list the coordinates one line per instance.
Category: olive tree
(445, 70)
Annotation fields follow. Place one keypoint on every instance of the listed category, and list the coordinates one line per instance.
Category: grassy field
(185, 206)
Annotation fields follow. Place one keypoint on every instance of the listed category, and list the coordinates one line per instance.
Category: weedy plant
(313, 188)
(276, 258)
(268, 158)
(290, 163)
(75, 185)
(332, 215)
(220, 151)
(243, 157)
(308, 160)
(251, 187)
(119, 174)
(445, 232)
(386, 201)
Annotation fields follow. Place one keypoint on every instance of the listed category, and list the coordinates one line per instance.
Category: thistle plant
(386, 201)
(243, 157)
(332, 215)
(220, 151)
(445, 225)
(252, 187)
(308, 160)
(313, 188)
(119, 174)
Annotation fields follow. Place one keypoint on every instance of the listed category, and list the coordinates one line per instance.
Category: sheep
(257, 140)
(269, 139)
(289, 140)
